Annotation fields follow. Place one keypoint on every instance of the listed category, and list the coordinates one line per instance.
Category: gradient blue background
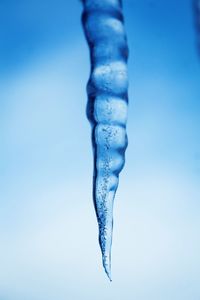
(48, 232)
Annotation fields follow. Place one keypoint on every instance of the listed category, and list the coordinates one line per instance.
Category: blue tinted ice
(196, 5)
(107, 108)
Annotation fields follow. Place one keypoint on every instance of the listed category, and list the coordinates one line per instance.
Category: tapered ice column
(107, 108)
(196, 6)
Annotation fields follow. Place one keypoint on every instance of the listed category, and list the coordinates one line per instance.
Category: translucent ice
(196, 6)
(107, 108)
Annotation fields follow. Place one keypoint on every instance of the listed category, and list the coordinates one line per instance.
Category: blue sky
(48, 232)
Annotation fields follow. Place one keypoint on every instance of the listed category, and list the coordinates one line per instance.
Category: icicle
(196, 6)
(107, 108)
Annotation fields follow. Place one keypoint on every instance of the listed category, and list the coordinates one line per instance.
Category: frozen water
(107, 108)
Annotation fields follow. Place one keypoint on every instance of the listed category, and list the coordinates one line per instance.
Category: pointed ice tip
(108, 273)
(109, 276)
(107, 268)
